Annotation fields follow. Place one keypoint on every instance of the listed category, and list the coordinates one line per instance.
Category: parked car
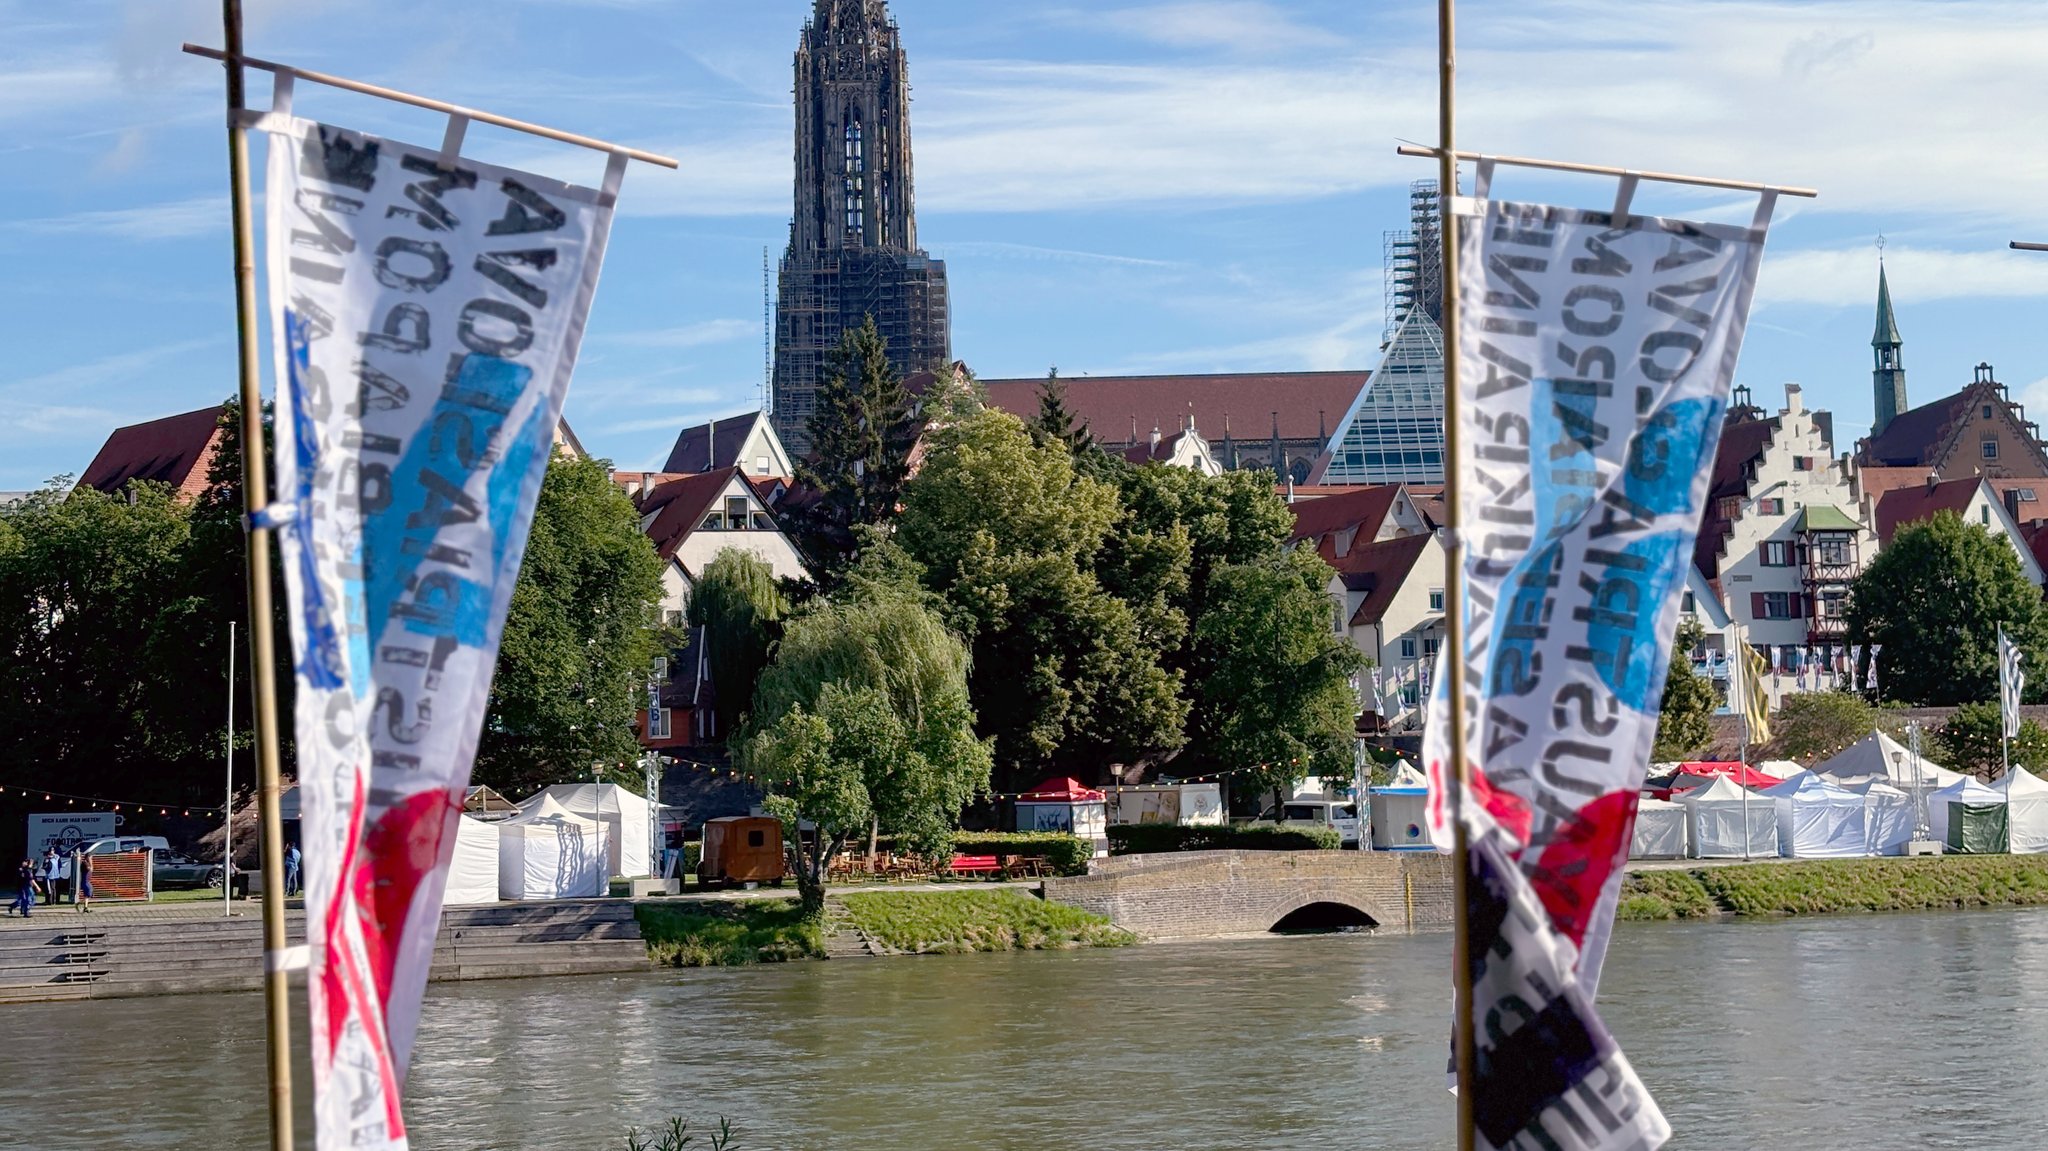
(126, 843)
(169, 869)
(1341, 814)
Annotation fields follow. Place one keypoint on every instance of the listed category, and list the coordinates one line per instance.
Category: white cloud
(1001, 250)
(694, 335)
(68, 381)
(1848, 276)
(178, 219)
(1237, 25)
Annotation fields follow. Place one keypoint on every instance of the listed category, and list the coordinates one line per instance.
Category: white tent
(2026, 798)
(1398, 812)
(1660, 830)
(473, 869)
(1879, 756)
(623, 814)
(1816, 819)
(1782, 768)
(548, 852)
(1965, 789)
(1888, 818)
(1721, 815)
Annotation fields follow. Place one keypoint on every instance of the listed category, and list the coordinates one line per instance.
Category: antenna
(767, 338)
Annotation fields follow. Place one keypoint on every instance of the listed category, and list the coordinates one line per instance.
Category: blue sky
(1117, 185)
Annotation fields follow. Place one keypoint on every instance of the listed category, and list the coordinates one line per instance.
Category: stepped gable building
(853, 237)
(1277, 420)
(1978, 431)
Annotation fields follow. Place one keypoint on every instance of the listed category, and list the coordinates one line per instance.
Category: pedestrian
(84, 880)
(52, 867)
(25, 890)
(291, 869)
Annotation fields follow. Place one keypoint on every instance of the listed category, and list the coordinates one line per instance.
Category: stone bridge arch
(1199, 894)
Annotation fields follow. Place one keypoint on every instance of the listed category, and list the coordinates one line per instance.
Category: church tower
(1888, 380)
(853, 237)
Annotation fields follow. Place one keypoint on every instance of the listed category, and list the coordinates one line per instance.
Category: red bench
(974, 865)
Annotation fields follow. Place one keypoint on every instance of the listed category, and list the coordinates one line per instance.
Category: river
(1874, 1032)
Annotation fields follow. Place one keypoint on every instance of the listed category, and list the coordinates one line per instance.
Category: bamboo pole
(1464, 1040)
(348, 85)
(1624, 173)
(262, 649)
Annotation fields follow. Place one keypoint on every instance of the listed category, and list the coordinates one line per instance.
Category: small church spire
(1888, 375)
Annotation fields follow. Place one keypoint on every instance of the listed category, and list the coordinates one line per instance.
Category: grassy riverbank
(737, 932)
(952, 922)
(1836, 886)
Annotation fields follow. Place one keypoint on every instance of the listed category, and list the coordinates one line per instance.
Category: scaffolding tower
(1413, 260)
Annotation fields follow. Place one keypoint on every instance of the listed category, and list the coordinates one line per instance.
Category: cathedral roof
(1306, 404)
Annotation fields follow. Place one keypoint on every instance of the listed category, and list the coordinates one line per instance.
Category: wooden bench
(974, 865)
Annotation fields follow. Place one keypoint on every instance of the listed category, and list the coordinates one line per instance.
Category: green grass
(955, 922)
(730, 933)
(1837, 886)
(188, 895)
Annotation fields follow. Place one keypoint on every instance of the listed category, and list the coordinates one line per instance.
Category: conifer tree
(861, 436)
(1055, 422)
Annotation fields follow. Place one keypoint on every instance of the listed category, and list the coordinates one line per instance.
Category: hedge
(1068, 854)
(1159, 838)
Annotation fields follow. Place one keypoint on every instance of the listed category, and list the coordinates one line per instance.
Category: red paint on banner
(1574, 866)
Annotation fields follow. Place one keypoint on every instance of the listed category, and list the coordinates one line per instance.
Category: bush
(1828, 886)
(1159, 838)
(1068, 854)
(1664, 895)
(675, 1135)
(953, 922)
(729, 933)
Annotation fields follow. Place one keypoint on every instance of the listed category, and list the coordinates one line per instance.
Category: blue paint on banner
(509, 480)
(1565, 476)
(320, 665)
(1667, 453)
(1621, 630)
(429, 493)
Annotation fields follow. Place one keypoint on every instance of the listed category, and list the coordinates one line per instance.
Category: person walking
(292, 859)
(25, 891)
(83, 872)
(53, 866)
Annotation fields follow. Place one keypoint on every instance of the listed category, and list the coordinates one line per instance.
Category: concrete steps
(109, 958)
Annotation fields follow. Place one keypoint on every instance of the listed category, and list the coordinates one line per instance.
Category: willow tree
(863, 722)
(739, 605)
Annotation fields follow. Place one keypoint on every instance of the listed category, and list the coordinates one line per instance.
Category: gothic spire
(1887, 325)
(1888, 374)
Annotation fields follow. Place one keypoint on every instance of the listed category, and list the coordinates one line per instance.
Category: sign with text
(68, 831)
(426, 316)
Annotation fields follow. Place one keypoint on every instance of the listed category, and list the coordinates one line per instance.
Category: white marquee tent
(1818, 820)
(623, 814)
(1879, 756)
(548, 852)
(1966, 790)
(473, 870)
(2026, 798)
(1719, 814)
(1398, 812)
(1888, 817)
(1660, 830)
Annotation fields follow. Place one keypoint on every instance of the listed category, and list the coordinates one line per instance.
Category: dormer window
(736, 513)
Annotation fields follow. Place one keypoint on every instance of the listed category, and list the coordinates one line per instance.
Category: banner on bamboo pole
(1597, 355)
(426, 314)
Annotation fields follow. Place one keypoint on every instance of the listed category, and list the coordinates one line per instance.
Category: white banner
(425, 321)
(1596, 362)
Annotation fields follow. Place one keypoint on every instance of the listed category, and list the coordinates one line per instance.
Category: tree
(1008, 535)
(864, 721)
(1280, 685)
(1934, 599)
(740, 607)
(580, 638)
(1970, 743)
(1683, 723)
(861, 435)
(1821, 723)
(1055, 423)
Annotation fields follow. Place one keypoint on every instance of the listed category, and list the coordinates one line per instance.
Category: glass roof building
(1394, 433)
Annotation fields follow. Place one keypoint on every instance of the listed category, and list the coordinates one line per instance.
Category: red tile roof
(1310, 404)
(1378, 570)
(707, 447)
(1146, 452)
(1364, 508)
(174, 450)
(1913, 435)
(1902, 506)
(679, 507)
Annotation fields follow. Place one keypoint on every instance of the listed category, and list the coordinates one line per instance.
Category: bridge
(1197, 894)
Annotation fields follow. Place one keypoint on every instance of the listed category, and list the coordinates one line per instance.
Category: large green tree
(864, 722)
(1934, 599)
(1057, 422)
(739, 605)
(1280, 684)
(579, 641)
(1009, 536)
(1820, 723)
(861, 435)
(1683, 722)
(1971, 742)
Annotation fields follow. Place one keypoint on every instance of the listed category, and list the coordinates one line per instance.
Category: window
(762, 523)
(657, 723)
(1407, 647)
(1776, 604)
(855, 177)
(760, 465)
(658, 673)
(1989, 448)
(714, 522)
(1984, 514)
(1831, 604)
(1830, 549)
(1687, 605)
(2026, 495)
(1429, 647)
(1774, 553)
(736, 513)
(1436, 599)
(1987, 411)
(1771, 507)
(757, 838)
(1802, 463)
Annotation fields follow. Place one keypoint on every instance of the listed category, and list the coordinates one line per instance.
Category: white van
(125, 843)
(1341, 814)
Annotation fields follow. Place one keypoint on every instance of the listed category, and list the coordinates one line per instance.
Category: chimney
(1155, 437)
(2012, 504)
(710, 448)
(1933, 478)
(1793, 404)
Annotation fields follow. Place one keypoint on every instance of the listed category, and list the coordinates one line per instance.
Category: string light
(72, 800)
